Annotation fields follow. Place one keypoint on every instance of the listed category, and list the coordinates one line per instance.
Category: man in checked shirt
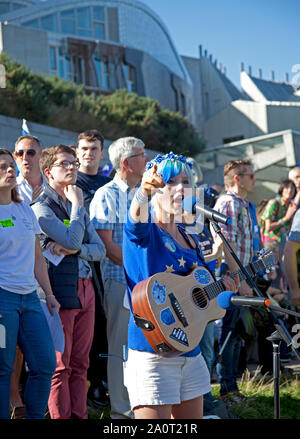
(239, 180)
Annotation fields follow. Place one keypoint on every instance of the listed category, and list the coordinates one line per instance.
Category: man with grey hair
(108, 211)
(294, 175)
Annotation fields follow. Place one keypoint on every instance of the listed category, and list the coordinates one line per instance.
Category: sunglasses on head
(30, 152)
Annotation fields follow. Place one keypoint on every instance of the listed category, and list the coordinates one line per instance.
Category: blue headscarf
(170, 165)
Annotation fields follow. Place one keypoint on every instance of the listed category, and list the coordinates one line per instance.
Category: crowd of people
(109, 235)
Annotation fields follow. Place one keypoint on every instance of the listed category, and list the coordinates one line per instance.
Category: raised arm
(151, 182)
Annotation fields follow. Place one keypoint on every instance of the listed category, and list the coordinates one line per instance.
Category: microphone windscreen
(224, 298)
(188, 204)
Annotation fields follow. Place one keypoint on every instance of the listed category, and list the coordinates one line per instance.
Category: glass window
(68, 21)
(53, 58)
(83, 18)
(99, 31)
(129, 77)
(126, 71)
(98, 68)
(69, 14)
(78, 69)
(106, 84)
(49, 22)
(67, 27)
(17, 6)
(61, 68)
(98, 13)
(4, 8)
(32, 23)
(112, 77)
(84, 32)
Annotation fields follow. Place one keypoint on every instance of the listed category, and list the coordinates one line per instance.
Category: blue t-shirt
(147, 250)
(89, 185)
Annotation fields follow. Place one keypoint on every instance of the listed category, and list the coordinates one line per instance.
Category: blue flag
(25, 129)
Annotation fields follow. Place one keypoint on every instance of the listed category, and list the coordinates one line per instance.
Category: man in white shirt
(108, 211)
(27, 155)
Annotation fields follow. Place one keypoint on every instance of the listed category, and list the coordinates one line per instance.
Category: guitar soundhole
(199, 297)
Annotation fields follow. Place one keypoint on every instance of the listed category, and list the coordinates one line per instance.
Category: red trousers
(68, 393)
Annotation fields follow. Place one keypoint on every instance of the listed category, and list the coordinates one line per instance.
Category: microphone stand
(281, 332)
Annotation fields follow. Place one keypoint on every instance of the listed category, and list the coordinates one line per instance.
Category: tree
(55, 102)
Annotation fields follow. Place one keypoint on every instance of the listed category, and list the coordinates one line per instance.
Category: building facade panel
(104, 45)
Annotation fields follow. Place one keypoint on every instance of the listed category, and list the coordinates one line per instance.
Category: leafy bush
(52, 101)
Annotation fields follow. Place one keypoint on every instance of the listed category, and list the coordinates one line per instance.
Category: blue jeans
(207, 350)
(207, 345)
(231, 354)
(24, 323)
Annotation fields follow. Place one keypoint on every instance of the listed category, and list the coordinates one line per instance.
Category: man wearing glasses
(30, 180)
(108, 211)
(239, 178)
(68, 233)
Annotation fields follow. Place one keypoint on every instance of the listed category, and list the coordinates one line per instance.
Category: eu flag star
(169, 269)
(181, 262)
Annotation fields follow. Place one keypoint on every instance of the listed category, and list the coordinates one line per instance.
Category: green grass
(262, 389)
(258, 387)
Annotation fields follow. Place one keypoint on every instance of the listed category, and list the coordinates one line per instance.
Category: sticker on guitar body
(167, 317)
(159, 293)
(202, 276)
(180, 336)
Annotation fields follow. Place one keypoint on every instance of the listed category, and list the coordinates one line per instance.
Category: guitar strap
(145, 324)
(198, 249)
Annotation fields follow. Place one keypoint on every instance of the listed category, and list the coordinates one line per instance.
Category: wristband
(140, 197)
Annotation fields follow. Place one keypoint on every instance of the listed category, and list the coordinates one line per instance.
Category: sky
(262, 34)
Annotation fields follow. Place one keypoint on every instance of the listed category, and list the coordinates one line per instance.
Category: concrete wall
(194, 69)
(28, 46)
(250, 88)
(11, 129)
(240, 118)
(283, 117)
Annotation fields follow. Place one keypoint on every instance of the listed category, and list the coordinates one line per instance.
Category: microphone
(192, 205)
(229, 299)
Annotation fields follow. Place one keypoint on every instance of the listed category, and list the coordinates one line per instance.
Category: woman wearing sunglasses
(22, 267)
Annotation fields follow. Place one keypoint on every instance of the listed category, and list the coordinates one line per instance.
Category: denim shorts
(152, 379)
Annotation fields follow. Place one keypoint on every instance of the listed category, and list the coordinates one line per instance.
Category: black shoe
(97, 397)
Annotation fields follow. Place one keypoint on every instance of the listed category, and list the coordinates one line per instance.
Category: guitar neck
(214, 289)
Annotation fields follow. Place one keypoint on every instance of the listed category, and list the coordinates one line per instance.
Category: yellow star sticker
(195, 265)
(181, 262)
(169, 269)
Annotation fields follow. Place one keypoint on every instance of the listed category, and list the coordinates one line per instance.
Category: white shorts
(152, 379)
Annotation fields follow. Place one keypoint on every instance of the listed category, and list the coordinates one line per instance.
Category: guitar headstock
(266, 260)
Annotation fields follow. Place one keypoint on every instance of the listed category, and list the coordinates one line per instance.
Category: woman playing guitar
(162, 387)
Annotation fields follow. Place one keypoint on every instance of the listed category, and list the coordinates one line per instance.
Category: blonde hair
(234, 167)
